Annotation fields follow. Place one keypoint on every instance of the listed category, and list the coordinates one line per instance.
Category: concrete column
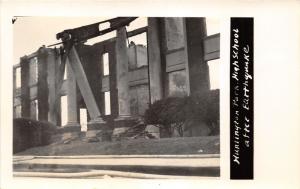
(122, 73)
(72, 129)
(53, 61)
(154, 60)
(113, 81)
(197, 67)
(72, 98)
(123, 119)
(42, 90)
(25, 91)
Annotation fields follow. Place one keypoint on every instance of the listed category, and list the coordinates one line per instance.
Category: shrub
(29, 133)
(174, 111)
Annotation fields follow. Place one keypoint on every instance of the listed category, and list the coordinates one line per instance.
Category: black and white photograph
(125, 97)
(105, 94)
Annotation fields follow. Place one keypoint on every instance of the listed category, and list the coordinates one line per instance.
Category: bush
(174, 111)
(29, 133)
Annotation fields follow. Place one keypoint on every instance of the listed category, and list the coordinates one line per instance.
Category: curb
(176, 165)
(104, 174)
(117, 156)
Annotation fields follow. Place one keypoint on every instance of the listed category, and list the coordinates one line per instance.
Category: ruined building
(137, 75)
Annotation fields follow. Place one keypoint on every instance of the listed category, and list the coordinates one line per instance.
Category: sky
(30, 33)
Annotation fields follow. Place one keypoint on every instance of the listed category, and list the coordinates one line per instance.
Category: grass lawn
(188, 145)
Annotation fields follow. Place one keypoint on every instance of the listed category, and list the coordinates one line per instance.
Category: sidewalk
(132, 166)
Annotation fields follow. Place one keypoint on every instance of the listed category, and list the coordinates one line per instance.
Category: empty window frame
(214, 73)
(33, 71)
(105, 60)
(177, 85)
(36, 104)
(64, 110)
(140, 39)
(83, 119)
(65, 73)
(18, 110)
(104, 26)
(35, 60)
(107, 103)
(18, 78)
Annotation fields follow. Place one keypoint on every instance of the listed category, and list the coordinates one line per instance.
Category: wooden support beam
(83, 84)
(137, 31)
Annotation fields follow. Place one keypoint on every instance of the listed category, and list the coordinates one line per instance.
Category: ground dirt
(181, 145)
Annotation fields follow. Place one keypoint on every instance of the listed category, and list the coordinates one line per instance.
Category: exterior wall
(138, 79)
(139, 91)
(38, 84)
(131, 52)
(139, 99)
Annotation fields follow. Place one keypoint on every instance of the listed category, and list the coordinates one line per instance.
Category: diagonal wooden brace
(83, 84)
